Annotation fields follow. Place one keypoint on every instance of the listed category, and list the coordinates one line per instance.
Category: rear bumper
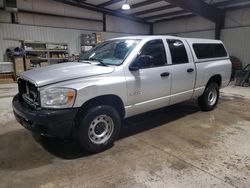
(50, 122)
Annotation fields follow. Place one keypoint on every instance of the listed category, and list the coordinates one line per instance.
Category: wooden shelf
(58, 58)
(47, 50)
(51, 58)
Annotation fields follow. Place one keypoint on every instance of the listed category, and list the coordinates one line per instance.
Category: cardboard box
(54, 55)
(44, 64)
(18, 65)
(98, 37)
(27, 63)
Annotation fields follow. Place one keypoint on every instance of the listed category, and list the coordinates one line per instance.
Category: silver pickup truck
(117, 79)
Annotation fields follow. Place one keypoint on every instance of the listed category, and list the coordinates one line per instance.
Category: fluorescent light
(125, 6)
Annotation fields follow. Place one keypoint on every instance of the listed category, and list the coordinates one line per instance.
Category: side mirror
(134, 67)
(142, 61)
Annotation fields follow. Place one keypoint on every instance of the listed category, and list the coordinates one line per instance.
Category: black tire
(206, 101)
(89, 129)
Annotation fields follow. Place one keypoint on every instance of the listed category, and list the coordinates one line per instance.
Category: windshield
(111, 52)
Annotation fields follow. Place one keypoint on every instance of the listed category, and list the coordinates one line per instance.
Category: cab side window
(178, 51)
(153, 54)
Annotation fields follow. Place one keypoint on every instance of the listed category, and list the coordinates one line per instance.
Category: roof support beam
(165, 15)
(106, 11)
(201, 8)
(176, 17)
(109, 3)
(217, 32)
(141, 4)
(238, 7)
(151, 29)
(153, 10)
(231, 2)
(205, 10)
(104, 25)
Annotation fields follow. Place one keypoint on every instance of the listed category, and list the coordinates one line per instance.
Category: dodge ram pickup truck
(119, 78)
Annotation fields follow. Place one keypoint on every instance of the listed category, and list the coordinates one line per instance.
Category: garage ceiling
(151, 11)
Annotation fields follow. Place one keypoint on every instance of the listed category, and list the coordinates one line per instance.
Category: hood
(62, 72)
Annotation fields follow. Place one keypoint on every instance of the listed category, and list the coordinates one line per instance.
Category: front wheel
(98, 128)
(210, 97)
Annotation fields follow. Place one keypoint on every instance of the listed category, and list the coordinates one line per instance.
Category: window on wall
(153, 54)
(205, 51)
(178, 51)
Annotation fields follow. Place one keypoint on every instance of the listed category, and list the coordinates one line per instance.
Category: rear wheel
(210, 97)
(98, 128)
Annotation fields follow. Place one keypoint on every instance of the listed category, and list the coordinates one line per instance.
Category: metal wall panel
(237, 41)
(199, 34)
(15, 32)
(109, 35)
(183, 25)
(58, 8)
(238, 18)
(115, 24)
(5, 16)
(11, 34)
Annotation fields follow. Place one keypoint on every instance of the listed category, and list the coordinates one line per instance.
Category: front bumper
(50, 122)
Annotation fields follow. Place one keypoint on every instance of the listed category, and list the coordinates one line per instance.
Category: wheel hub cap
(212, 97)
(101, 129)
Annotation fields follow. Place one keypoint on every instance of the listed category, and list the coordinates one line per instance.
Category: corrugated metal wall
(121, 25)
(181, 26)
(11, 34)
(237, 41)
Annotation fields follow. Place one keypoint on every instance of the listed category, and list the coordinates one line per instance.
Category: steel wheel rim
(212, 97)
(101, 129)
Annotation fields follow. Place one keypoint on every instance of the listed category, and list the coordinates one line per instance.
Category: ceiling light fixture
(125, 6)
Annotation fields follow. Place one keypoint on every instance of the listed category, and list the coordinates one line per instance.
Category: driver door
(149, 86)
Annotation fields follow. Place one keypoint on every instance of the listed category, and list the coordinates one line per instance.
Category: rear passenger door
(183, 71)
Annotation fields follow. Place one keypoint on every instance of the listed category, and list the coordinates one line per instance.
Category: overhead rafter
(224, 3)
(205, 10)
(141, 4)
(202, 9)
(102, 10)
(153, 10)
(174, 18)
(238, 7)
(231, 2)
(109, 3)
(165, 15)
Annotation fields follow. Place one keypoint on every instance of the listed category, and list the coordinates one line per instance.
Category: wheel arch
(217, 78)
(111, 100)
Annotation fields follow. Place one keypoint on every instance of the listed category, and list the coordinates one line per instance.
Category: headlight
(57, 97)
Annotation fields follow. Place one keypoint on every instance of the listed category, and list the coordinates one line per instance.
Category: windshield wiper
(99, 61)
(84, 61)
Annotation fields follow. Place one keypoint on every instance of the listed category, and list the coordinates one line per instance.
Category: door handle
(165, 74)
(190, 70)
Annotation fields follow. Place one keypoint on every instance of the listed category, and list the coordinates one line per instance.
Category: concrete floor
(178, 146)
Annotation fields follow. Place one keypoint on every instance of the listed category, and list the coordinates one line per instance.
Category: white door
(183, 71)
(149, 83)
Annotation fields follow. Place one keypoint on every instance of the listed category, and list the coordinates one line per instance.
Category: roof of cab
(190, 40)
